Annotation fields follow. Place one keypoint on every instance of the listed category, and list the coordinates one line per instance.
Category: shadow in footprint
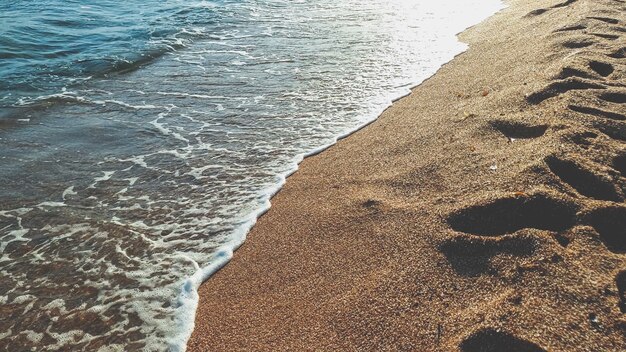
(536, 12)
(606, 36)
(471, 256)
(572, 28)
(619, 164)
(578, 43)
(597, 112)
(620, 280)
(508, 215)
(491, 340)
(618, 98)
(613, 129)
(519, 130)
(585, 138)
(584, 181)
(604, 19)
(564, 3)
(610, 223)
(560, 87)
(619, 53)
(568, 72)
(619, 29)
(602, 68)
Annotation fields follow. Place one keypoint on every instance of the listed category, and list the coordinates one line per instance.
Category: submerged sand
(484, 212)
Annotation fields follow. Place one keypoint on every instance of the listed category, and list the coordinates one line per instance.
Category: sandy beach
(483, 212)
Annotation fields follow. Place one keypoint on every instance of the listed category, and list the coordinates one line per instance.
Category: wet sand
(483, 212)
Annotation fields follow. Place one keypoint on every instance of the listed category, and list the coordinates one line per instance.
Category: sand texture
(484, 212)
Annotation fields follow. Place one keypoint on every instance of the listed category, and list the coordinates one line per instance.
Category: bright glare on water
(140, 140)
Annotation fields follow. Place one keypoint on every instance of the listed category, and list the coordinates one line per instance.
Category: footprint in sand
(606, 36)
(567, 72)
(584, 180)
(604, 69)
(604, 19)
(486, 224)
(518, 130)
(492, 340)
(559, 87)
(614, 97)
(471, 256)
(620, 281)
(618, 54)
(619, 164)
(538, 12)
(510, 214)
(578, 43)
(613, 129)
(571, 28)
(610, 223)
(597, 112)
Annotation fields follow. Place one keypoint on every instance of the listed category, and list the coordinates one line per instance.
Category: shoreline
(224, 255)
(397, 206)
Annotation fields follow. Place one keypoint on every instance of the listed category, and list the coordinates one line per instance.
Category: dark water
(140, 140)
(48, 45)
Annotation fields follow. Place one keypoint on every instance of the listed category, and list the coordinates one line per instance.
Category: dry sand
(484, 212)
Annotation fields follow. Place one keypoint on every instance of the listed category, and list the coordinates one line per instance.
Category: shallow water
(139, 144)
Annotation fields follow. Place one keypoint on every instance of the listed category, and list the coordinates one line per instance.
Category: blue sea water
(47, 45)
(141, 140)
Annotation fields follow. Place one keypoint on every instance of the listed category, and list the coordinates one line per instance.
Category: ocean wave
(50, 44)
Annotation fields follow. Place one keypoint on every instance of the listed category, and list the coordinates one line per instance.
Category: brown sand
(432, 230)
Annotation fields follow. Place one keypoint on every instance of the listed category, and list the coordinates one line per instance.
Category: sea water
(140, 140)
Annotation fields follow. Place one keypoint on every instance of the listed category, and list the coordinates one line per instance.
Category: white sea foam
(69, 191)
(126, 105)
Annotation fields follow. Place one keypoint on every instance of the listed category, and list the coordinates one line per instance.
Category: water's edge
(189, 297)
